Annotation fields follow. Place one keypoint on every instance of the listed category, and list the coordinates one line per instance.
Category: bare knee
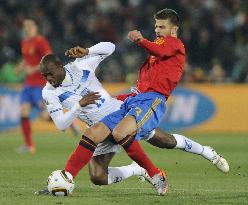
(25, 110)
(119, 134)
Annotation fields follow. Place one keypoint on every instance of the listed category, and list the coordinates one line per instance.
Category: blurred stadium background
(211, 102)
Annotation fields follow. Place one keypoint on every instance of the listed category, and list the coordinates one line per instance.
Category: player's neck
(174, 35)
(31, 36)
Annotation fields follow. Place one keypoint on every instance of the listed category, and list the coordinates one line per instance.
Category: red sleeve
(161, 47)
(44, 46)
(123, 97)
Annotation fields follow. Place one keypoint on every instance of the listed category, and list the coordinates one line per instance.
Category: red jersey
(33, 50)
(163, 69)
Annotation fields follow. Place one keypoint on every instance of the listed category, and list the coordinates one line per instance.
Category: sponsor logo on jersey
(159, 41)
(138, 111)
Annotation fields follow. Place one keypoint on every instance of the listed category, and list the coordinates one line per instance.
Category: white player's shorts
(108, 146)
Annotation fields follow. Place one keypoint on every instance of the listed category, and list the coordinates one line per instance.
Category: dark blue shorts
(32, 95)
(147, 108)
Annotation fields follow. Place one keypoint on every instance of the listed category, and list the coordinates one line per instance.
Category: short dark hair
(168, 14)
(49, 58)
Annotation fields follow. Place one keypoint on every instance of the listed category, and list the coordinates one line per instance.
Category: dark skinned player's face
(54, 73)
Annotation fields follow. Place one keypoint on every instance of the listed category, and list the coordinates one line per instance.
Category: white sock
(117, 174)
(207, 153)
(191, 146)
(187, 144)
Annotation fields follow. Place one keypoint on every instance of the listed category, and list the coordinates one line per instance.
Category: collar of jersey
(68, 81)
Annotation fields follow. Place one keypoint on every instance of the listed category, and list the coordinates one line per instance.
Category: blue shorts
(147, 108)
(32, 95)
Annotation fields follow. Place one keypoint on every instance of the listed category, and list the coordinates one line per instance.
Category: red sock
(26, 130)
(81, 156)
(135, 152)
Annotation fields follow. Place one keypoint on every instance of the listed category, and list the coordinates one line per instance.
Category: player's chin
(56, 85)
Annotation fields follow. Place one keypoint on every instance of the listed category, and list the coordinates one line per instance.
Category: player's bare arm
(135, 36)
(77, 52)
(90, 98)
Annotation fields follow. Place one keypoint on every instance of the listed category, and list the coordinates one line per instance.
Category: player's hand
(90, 98)
(135, 36)
(77, 52)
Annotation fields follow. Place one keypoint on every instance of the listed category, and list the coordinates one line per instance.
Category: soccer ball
(60, 183)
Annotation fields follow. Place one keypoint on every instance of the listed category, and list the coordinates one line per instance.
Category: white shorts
(106, 147)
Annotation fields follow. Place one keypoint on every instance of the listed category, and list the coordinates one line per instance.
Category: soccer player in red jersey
(33, 47)
(140, 114)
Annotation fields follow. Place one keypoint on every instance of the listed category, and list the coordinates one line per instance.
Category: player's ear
(174, 30)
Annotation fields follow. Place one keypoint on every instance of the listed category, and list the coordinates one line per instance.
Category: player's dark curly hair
(168, 14)
(49, 58)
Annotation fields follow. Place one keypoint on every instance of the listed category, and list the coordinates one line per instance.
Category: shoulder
(174, 41)
(79, 64)
(48, 90)
(72, 67)
(40, 38)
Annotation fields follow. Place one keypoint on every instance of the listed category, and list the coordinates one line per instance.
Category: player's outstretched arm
(102, 48)
(159, 49)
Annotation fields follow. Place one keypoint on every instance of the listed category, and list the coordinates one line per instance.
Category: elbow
(111, 47)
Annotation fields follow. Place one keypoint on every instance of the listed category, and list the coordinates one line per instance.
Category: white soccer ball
(60, 183)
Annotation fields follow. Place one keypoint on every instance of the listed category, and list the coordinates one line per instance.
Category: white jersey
(80, 79)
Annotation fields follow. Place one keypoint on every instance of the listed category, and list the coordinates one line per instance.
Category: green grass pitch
(192, 179)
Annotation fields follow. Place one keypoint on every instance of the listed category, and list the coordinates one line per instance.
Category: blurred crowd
(215, 34)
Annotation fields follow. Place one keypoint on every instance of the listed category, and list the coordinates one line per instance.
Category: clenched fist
(135, 36)
(77, 52)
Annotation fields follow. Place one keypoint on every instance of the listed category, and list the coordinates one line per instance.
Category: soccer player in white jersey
(76, 88)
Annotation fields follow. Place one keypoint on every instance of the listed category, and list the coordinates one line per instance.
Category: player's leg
(75, 129)
(144, 113)
(123, 134)
(102, 174)
(25, 109)
(86, 147)
(169, 141)
(98, 168)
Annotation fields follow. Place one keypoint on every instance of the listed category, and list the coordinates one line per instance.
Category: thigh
(127, 126)
(114, 118)
(97, 133)
(25, 109)
(148, 114)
